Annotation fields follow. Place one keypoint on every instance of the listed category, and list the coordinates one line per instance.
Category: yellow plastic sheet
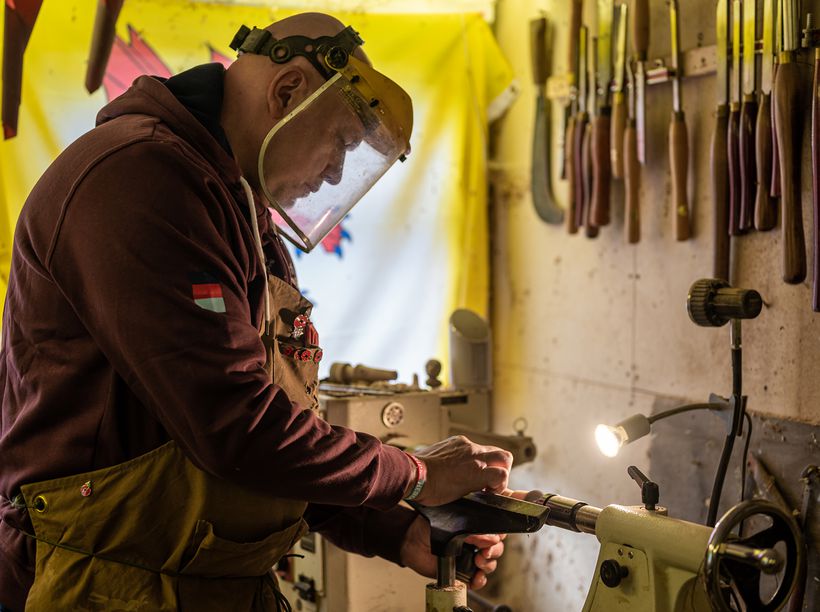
(450, 65)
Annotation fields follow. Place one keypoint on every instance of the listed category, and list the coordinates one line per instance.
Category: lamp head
(610, 439)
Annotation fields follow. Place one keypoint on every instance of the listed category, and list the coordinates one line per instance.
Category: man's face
(310, 149)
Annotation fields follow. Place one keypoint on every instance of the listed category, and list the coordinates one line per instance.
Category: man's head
(260, 93)
(311, 123)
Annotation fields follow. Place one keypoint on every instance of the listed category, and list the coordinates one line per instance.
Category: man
(158, 368)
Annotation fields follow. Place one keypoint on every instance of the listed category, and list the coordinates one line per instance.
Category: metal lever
(767, 560)
(650, 492)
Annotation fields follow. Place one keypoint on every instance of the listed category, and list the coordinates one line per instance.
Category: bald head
(259, 92)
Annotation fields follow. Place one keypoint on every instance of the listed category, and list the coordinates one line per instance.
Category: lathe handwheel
(744, 579)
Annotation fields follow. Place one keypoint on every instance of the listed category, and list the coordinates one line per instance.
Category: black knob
(613, 572)
(712, 303)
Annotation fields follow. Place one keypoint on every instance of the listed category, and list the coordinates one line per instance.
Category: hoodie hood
(149, 96)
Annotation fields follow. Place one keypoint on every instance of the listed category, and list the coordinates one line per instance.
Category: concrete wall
(590, 331)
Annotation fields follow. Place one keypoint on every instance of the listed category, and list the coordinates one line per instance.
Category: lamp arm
(716, 406)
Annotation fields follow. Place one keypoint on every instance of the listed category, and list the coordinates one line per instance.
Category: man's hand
(456, 466)
(415, 552)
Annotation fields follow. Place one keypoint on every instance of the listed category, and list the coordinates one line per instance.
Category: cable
(668, 413)
(745, 456)
(737, 422)
(720, 476)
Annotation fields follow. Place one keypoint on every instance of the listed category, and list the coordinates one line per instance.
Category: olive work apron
(158, 533)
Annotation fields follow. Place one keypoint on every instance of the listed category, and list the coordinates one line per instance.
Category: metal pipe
(446, 575)
(569, 514)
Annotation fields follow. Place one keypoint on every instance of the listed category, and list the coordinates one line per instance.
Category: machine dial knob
(613, 572)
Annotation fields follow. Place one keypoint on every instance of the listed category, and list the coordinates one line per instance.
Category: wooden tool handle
(632, 183)
(748, 165)
(815, 182)
(640, 28)
(775, 184)
(787, 115)
(590, 229)
(601, 169)
(679, 165)
(617, 138)
(765, 210)
(720, 193)
(538, 50)
(574, 28)
(733, 155)
(581, 190)
(572, 221)
(102, 41)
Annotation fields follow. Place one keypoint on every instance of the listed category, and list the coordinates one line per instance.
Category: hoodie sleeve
(141, 228)
(363, 531)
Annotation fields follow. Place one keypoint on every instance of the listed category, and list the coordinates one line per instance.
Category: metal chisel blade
(619, 25)
(767, 59)
(722, 22)
(604, 51)
(749, 40)
(737, 42)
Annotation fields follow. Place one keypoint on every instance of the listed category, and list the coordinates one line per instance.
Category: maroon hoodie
(106, 356)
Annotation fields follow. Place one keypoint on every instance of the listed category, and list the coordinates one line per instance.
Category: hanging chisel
(765, 209)
(102, 42)
(678, 138)
(572, 105)
(572, 220)
(720, 162)
(587, 152)
(811, 40)
(640, 50)
(748, 117)
(601, 124)
(619, 26)
(632, 169)
(733, 140)
(778, 45)
(542, 196)
(787, 117)
(581, 120)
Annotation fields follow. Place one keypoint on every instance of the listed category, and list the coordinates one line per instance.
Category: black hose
(720, 476)
(728, 444)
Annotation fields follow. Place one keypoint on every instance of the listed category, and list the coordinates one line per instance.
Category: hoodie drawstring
(260, 253)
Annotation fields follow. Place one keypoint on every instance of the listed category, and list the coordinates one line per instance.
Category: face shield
(318, 161)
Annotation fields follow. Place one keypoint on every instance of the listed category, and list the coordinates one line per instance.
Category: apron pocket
(216, 557)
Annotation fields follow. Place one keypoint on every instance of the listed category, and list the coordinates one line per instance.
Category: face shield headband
(326, 53)
(318, 161)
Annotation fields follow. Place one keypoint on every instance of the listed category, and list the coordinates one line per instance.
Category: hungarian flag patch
(207, 292)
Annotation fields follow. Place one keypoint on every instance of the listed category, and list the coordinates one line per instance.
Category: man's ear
(286, 91)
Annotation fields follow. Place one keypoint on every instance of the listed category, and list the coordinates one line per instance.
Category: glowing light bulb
(610, 439)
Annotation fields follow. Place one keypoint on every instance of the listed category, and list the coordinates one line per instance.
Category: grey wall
(592, 331)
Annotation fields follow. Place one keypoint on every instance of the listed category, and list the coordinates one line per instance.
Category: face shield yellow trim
(318, 161)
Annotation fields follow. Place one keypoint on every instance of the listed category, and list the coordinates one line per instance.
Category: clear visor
(319, 160)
